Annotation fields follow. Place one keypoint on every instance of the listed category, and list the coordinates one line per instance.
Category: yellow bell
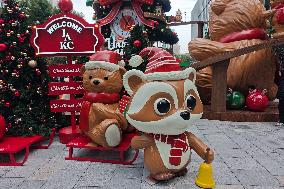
(205, 177)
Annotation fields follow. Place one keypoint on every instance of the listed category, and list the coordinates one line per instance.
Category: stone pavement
(248, 156)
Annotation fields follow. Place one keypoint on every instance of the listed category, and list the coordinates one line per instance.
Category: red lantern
(2, 126)
(257, 100)
(3, 47)
(137, 43)
(65, 5)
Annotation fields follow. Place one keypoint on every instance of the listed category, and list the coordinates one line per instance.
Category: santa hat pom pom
(121, 63)
(135, 61)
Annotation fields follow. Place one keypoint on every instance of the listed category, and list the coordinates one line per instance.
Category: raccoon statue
(164, 102)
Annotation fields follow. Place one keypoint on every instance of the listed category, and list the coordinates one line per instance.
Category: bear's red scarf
(178, 143)
(257, 33)
(91, 98)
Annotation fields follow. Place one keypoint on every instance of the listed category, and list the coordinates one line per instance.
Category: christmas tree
(143, 36)
(136, 43)
(24, 101)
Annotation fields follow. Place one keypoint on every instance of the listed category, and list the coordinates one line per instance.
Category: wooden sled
(84, 142)
(12, 145)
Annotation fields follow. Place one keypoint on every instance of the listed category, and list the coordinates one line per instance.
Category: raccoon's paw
(113, 135)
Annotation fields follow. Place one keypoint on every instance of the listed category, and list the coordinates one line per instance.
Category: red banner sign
(65, 70)
(66, 34)
(56, 88)
(65, 105)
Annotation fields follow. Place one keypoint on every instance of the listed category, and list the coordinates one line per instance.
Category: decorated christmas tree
(24, 101)
(117, 18)
(153, 11)
(160, 32)
(136, 43)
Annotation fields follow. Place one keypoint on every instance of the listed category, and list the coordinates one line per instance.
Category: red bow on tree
(109, 2)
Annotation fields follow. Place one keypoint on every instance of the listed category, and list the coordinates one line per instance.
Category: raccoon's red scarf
(91, 98)
(178, 143)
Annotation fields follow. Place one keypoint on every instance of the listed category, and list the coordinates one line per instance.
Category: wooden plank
(219, 87)
(228, 55)
(65, 70)
(200, 30)
(59, 88)
(66, 105)
(270, 114)
(153, 15)
(186, 23)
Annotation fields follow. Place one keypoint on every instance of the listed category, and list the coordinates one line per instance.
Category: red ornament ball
(65, 5)
(3, 47)
(17, 94)
(22, 16)
(137, 43)
(2, 126)
(2, 21)
(257, 101)
(7, 104)
(38, 72)
(21, 39)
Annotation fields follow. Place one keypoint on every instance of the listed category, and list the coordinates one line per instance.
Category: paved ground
(248, 155)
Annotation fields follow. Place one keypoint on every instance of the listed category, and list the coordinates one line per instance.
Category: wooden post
(219, 86)
(200, 30)
(72, 97)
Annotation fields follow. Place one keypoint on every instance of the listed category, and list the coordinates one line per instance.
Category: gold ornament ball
(32, 63)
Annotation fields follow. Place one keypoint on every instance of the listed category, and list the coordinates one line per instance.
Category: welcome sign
(66, 34)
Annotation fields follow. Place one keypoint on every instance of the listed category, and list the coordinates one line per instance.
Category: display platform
(269, 115)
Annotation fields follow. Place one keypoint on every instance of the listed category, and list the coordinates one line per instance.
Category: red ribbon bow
(109, 2)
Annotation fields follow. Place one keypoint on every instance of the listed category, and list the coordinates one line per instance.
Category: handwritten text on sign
(56, 88)
(65, 105)
(65, 70)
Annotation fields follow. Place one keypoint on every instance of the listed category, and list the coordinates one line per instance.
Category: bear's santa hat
(108, 60)
(161, 66)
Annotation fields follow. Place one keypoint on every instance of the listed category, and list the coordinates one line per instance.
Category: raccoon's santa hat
(108, 60)
(161, 66)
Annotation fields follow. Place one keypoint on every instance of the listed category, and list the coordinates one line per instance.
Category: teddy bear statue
(164, 102)
(100, 118)
(235, 24)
